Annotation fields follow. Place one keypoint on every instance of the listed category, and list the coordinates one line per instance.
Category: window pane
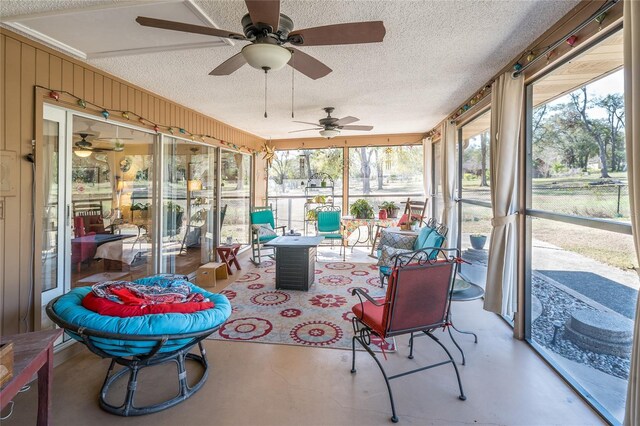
(583, 303)
(475, 159)
(189, 225)
(475, 232)
(578, 161)
(235, 196)
(112, 201)
(392, 173)
(289, 175)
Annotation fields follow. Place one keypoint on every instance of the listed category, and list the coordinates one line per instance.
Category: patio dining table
(352, 225)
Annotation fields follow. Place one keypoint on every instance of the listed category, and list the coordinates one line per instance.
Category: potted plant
(478, 241)
(361, 209)
(323, 183)
(391, 208)
(414, 224)
(312, 215)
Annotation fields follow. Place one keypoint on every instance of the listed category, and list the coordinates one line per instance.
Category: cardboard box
(6, 362)
(209, 273)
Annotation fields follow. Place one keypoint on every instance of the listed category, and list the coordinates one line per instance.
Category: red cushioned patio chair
(418, 299)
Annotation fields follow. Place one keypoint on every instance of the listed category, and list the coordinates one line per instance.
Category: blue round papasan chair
(142, 341)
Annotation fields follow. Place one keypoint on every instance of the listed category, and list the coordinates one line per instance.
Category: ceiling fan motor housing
(259, 31)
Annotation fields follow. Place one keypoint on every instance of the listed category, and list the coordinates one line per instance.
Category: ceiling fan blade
(265, 12)
(306, 122)
(187, 28)
(308, 65)
(306, 130)
(230, 65)
(351, 33)
(364, 128)
(346, 120)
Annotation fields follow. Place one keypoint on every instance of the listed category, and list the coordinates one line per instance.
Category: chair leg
(455, 367)
(457, 345)
(394, 417)
(411, 347)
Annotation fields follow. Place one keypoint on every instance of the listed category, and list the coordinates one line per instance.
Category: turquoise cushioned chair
(262, 221)
(430, 236)
(329, 226)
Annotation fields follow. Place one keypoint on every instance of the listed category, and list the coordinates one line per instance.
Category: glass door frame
(63, 241)
(601, 224)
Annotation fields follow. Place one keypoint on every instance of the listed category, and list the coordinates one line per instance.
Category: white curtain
(631, 30)
(506, 116)
(448, 179)
(428, 173)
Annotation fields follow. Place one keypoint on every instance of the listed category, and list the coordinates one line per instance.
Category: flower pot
(382, 214)
(478, 241)
(393, 213)
(323, 184)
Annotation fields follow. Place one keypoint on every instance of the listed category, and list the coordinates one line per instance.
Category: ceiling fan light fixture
(82, 152)
(264, 56)
(329, 133)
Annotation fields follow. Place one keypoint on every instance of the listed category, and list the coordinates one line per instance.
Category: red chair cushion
(110, 308)
(373, 316)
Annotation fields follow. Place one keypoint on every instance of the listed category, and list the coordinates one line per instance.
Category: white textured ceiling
(435, 54)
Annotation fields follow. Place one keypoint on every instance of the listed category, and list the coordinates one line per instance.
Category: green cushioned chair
(263, 229)
(330, 227)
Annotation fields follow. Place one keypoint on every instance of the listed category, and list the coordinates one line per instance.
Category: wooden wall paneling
(138, 102)
(67, 76)
(23, 240)
(78, 81)
(98, 89)
(124, 97)
(156, 110)
(107, 93)
(163, 113)
(115, 94)
(55, 72)
(131, 99)
(42, 68)
(88, 85)
(144, 105)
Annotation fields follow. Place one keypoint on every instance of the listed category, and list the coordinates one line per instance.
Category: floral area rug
(320, 317)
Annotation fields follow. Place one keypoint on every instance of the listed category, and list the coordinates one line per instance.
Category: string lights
(128, 115)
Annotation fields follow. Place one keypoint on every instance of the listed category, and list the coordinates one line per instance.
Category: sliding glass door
(581, 286)
(235, 199)
(189, 211)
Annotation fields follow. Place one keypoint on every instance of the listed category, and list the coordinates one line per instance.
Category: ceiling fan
(84, 148)
(330, 126)
(268, 31)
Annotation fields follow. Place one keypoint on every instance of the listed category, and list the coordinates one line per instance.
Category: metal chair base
(362, 334)
(133, 367)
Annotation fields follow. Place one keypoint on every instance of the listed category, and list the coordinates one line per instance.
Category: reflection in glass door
(235, 189)
(189, 212)
(53, 215)
(111, 185)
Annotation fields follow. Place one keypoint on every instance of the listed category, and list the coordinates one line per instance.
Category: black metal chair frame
(133, 364)
(362, 332)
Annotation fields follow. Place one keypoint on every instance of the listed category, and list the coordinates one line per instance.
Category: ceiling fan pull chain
(293, 58)
(265, 93)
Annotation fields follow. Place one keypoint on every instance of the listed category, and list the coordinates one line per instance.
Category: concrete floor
(506, 383)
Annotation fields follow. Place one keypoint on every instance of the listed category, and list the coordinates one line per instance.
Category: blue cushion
(433, 240)
(328, 221)
(262, 216)
(331, 236)
(422, 237)
(385, 270)
(69, 307)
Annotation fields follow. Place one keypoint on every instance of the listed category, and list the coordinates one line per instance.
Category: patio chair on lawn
(418, 300)
(328, 225)
(263, 230)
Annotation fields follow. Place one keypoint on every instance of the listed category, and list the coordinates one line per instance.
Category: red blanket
(107, 307)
